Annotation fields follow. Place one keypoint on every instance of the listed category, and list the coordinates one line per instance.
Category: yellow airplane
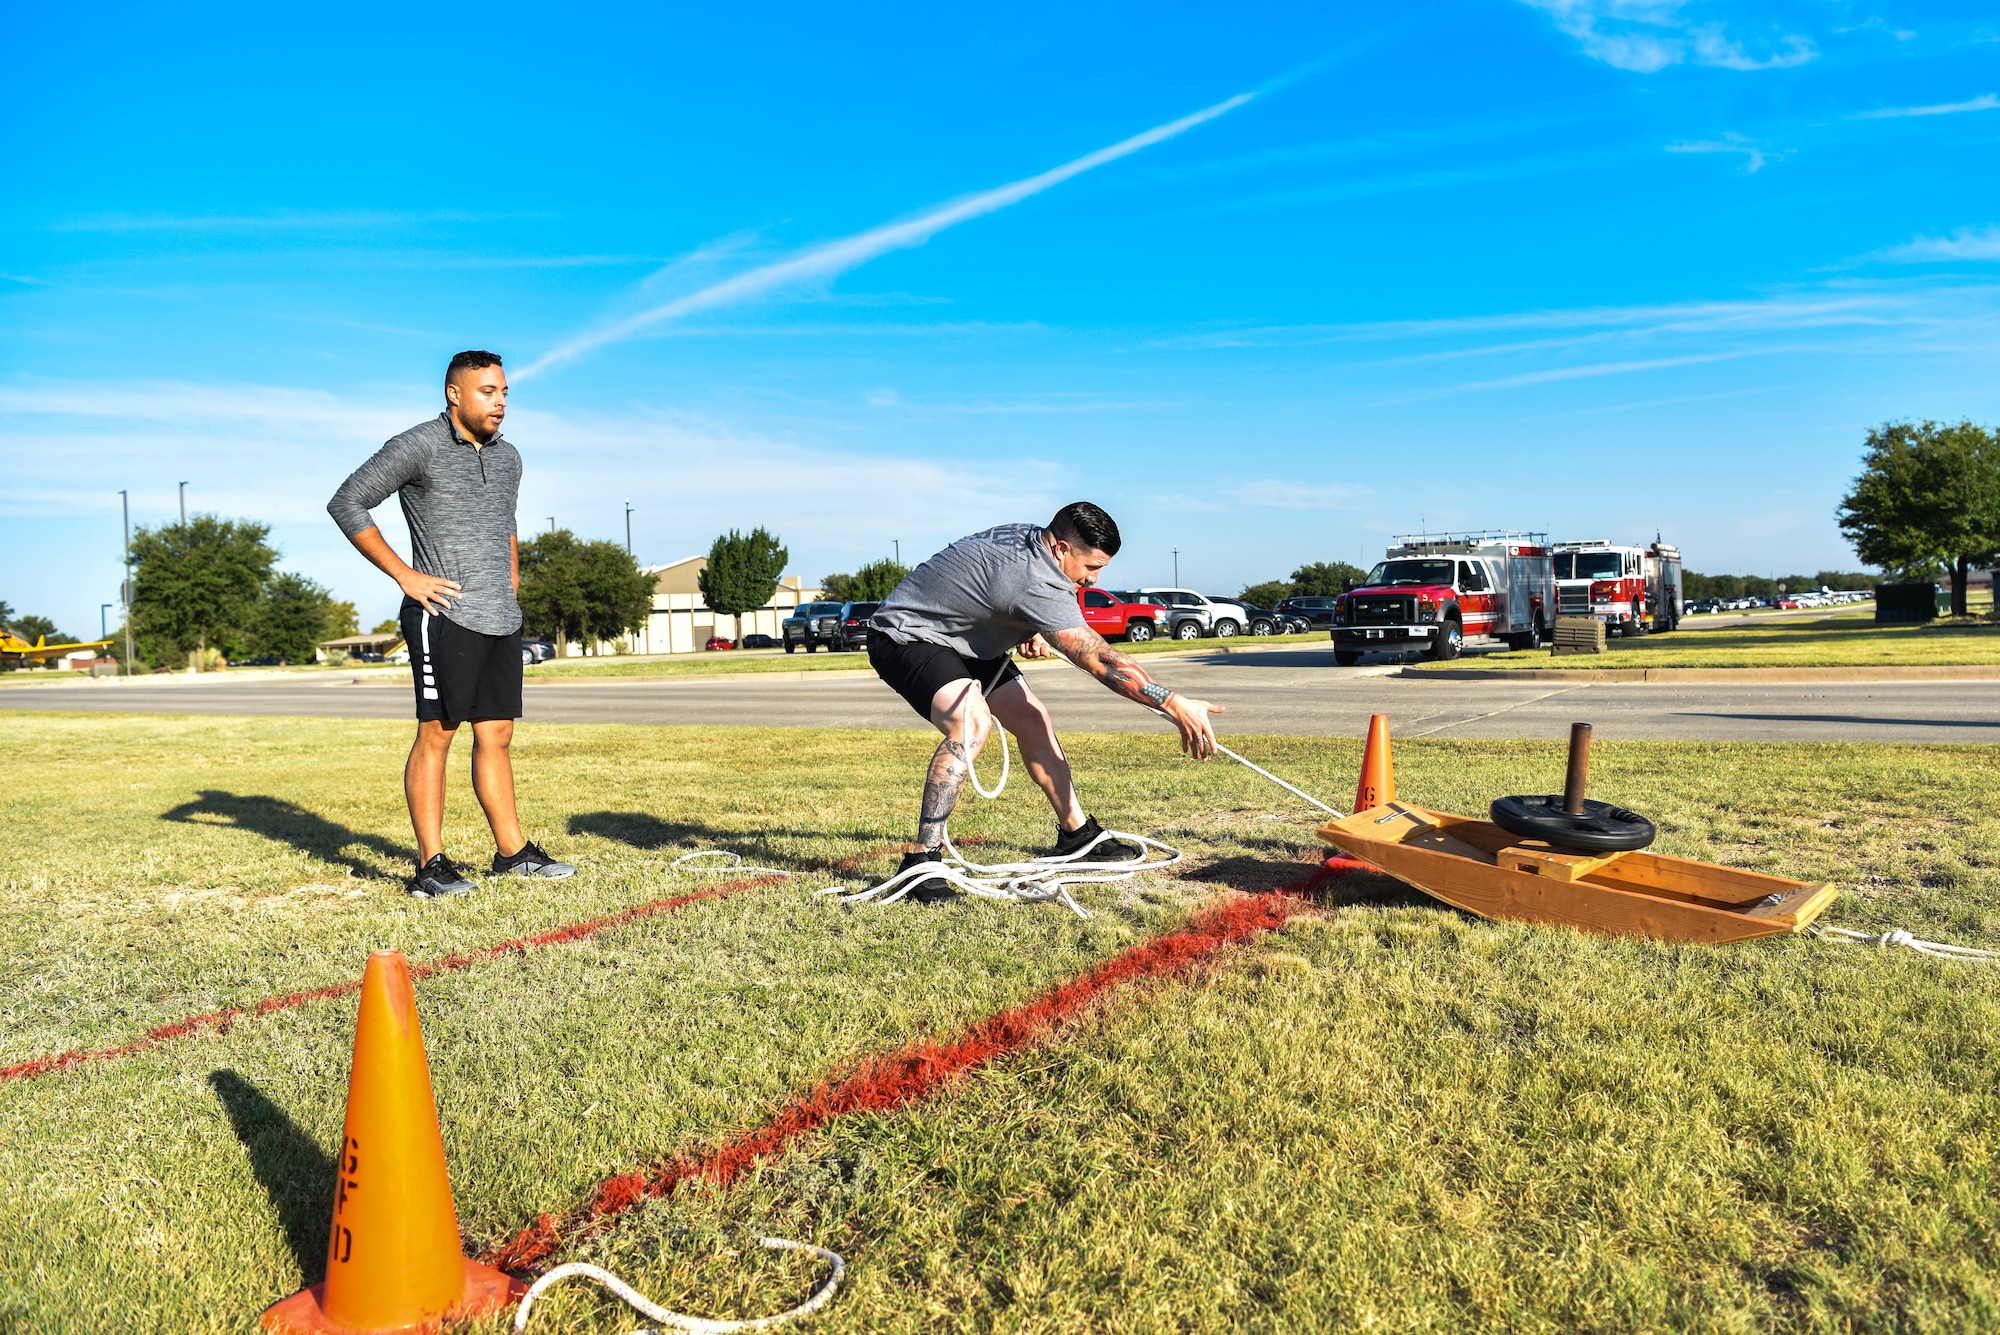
(14, 647)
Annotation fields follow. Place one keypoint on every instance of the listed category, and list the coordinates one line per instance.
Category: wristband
(1157, 693)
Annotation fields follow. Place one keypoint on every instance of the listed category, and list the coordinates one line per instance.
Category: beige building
(681, 621)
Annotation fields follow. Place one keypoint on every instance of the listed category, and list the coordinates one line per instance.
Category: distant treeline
(1319, 578)
(1695, 585)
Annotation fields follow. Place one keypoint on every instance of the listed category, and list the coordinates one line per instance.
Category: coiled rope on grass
(695, 1325)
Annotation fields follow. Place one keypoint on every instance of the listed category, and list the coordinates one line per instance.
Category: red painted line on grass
(911, 1074)
(216, 1021)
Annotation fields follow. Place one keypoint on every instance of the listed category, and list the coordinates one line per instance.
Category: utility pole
(1177, 567)
(125, 498)
(552, 523)
(103, 625)
(899, 549)
(184, 505)
(628, 526)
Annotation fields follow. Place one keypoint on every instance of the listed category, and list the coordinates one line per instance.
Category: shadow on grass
(290, 1166)
(289, 823)
(642, 830)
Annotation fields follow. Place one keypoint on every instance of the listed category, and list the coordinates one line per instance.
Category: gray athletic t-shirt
(460, 506)
(982, 595)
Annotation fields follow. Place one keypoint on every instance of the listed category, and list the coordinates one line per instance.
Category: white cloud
(825, 262)
(1286, 494)
(1967, 243)
(1984, 102)
(1753, 156)
(1645, 36)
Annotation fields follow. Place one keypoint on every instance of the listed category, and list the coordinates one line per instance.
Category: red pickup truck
(1116, 620)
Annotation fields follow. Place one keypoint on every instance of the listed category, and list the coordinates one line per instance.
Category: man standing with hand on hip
(458, 480)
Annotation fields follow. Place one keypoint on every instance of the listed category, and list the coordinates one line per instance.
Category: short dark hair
(471, 360)
(1087, 525)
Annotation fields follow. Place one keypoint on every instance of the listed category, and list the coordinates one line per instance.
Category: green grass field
(1387, 1116)
(1850, 639)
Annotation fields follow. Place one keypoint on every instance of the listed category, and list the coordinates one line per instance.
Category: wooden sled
(1477, 866)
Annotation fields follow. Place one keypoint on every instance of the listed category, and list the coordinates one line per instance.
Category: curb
(1700, 676)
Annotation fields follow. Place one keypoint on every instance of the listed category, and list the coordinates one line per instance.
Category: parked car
(1190, 615)
(760, 642)
(1317, 611)
(536, 651)
(854, 625)
(718, 642)
(1266, 621)
(813, 625)
(1116, 619)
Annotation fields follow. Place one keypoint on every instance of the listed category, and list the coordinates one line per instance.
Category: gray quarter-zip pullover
(459, 502)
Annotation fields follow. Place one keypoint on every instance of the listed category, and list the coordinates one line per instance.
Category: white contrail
(836, 257)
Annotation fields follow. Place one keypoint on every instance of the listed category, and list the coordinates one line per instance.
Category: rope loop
(694, 1325)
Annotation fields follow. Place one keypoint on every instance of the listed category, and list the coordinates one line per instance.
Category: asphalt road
(1279, 691)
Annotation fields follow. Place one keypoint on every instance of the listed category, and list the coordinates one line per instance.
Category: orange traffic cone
(393, 1262)
(1378, 774)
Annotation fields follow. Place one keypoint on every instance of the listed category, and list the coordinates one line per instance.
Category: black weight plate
(1602, 828)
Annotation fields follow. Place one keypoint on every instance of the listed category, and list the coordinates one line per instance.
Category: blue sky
(1600, 267)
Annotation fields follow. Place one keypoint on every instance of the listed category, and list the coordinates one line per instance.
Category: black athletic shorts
(917, 670)
(461, 676)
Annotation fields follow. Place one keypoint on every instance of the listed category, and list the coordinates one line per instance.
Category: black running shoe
(933, 890)
(1111, 850)
(531, 861)
(438, 879)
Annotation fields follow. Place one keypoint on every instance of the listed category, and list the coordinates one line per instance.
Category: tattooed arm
(1122, 673)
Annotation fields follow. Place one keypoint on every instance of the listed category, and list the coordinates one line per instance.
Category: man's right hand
(424, 588)
(1191, 717)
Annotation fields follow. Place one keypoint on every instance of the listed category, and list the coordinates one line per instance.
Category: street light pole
(899, 549)
(1177, 567)
(125, 498)
(103, 625)
(628, 526)
(552, 523)
(184, 505)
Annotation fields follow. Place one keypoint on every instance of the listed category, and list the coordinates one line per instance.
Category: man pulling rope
(943, 642)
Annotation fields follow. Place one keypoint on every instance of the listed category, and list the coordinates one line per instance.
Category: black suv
(813, 625)
(1316, 611)
(854, 625)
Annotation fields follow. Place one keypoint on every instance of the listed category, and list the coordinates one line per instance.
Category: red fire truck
(1632, 590)
(1435, 590)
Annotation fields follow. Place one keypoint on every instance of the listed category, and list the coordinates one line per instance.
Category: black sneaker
(1111, 850)
(439, 878)
(932, 890)
(531, 861)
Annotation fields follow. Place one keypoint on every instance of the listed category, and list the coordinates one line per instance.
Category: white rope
(1036, 881)
(1898, 937)
(1001, 786)
(696, 1325)
(731, 868)
(1275, 779)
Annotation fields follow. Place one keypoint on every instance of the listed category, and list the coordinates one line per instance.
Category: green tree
(342, 618)
(617, 595)
(552, 594)
(32, 628)
(1268, 594)
(742, 573)
(387, 626)
(1324, 579)
(588, 591)
(294, 616)
(1928, 498)
(836, 588)
(197, 586)
(875, 581)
